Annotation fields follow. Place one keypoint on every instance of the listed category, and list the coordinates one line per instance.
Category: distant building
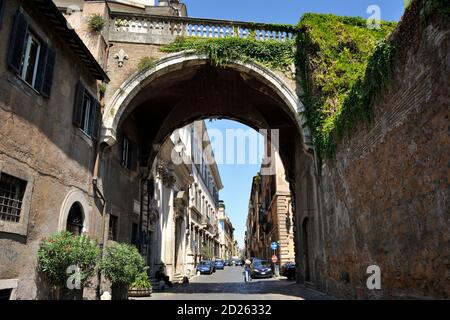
(270, 217)
(186, 191)
(226, 233)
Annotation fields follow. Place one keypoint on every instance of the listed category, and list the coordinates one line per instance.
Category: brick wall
(386, 196)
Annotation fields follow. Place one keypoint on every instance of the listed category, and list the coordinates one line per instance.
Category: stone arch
(117, 105)
(72, 197)
(134, 95)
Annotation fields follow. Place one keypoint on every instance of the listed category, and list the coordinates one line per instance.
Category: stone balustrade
(163, 29)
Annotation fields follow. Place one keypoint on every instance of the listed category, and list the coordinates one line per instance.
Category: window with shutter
(29, 57)
(86, 112)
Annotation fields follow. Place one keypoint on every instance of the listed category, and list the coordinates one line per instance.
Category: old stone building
(204, 198)
(226, 233)
(49, 124)
(382, 201)
(270, 217)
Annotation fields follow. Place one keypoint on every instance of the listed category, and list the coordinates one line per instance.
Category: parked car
(219, 264)
(205, 267)
(236, 262)
(261, 269)
(228, 263)
(288, 270)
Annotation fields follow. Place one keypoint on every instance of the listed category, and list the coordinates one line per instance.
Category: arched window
(75, 219)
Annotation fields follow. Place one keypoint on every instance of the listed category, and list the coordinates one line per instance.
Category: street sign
(274, 259)
(274, 246)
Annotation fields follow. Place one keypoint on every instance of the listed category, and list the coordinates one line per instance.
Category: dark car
(227, 263)
(261, 269)
(288, 270)
(205, 267)
(236, 262)
(219, 264)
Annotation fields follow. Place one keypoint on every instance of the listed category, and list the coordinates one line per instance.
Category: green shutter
(17, 41)
(41, 66)
(46, 86)
(78, 105)
(95, 120)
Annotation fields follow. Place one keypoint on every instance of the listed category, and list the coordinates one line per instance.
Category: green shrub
(141, 281)
(122, 263)
(96, 23)
(146, 63)
(102, 89)
(61, 250)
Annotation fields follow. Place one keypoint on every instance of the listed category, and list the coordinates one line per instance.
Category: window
(126, 153)
(29, 57)
(75, 219)
(12, 191)
(86, 113)
(112, 234)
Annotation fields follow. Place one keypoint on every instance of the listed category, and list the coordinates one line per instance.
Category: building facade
(270, 217)
(49, 121)
(226, 233)
(185, 184)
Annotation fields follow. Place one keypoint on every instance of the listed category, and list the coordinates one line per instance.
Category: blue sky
(237, 178)
(288, 11)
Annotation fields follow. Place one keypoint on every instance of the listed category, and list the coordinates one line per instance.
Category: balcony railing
(159, 29)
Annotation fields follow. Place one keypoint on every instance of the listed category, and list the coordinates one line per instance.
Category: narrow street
(228, 284)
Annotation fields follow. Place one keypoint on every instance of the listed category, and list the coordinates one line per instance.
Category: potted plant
(67, 262)
(121, 264)
(141, 286)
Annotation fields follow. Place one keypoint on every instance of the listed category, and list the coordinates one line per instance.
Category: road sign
(274, 259)
(274, 246)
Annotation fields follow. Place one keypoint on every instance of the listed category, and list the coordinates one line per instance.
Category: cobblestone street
(228, 284)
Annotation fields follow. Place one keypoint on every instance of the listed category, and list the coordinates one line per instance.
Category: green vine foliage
(221, 51)
(341, 63)
(146, 63)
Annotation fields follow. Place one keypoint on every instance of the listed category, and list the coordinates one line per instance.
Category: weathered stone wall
(386, 197)
(39, 143)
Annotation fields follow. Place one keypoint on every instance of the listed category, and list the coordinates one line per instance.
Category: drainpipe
(100, 194)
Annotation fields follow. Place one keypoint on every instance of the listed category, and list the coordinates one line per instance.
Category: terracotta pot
(135, 292)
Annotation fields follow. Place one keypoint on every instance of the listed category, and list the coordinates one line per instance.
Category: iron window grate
(12, 191)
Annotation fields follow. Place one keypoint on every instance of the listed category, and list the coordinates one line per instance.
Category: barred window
(12, 191)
